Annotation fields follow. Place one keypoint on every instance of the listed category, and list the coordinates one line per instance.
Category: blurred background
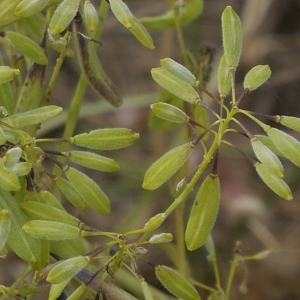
(250, 212)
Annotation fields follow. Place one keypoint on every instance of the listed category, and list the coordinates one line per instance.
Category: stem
(232, 73)
(234, 265)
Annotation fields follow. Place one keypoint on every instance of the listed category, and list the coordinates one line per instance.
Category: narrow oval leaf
(89, 191)
(178, 70)
(290, 122)
(232, 36)
(5, 224)
(27, 47)
(166, 166)
(63, 16)
(276, 184)
(224, 79)
(90, 15)
(175, 283)
(286, 144)
(169, 112)
(33, 117)
(51, 230)
(175, 85)
(70, 193)
(122, 13)
(257, 76)
(7, 74)
(28, 8)
(106, 139)
(9, 180)
(67, 269)
(41, 211)
(93, 161)
(267, 157)
(204, 213)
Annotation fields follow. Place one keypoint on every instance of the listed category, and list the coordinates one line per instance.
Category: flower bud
(178, 70)
(257, 76)
(277, 185)
(232, 36)
(27, 8)
(12, 156)
(63, 16)
(57, 289)
(48, 198)
(161, 238)
(176, 284)
(166, 166)
(89, 191)
(27, 47)
(290, 122)
(122, 13)
(268, 142)
(51, 230)
(21, 168)
(204, 213)
(169, 112)
(106, 139)
(154, 222)
(90, 15)
(8, 74)
(175, 85)
(67, 269)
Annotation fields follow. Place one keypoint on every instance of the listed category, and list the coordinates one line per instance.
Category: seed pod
(169, 112)
(27, 47)
(106, 139)
(161, 238)
(12, 156)
(63, 16)
(93, 161)
(232, 36)
(67, 269)
(286, 144)
(122, 13)
(175, 283)
(25, 246)
(175, 85)
(268, 142)
(166, 166)
(290, 122)
(5, 224)
(57, 289)
(92, 68)
(178, 70)
(27, 8)
(51, 230)
(89, 191)
(78, 293)
(257, 76)
(224, 79)
(69, 192)
(48, 198)
(146, 291)
(9, 180)
(33, 117)
(267, 157)
(154, 222)
(90, 15)
(204, 213)
(41, 211)
(276, 184)
(8, 74)
(187, 14)
(142, 35)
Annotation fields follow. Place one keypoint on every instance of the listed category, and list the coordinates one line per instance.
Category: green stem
(234, 265)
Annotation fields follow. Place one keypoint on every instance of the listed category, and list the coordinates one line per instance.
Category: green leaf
(28, 8)
(9, 180)
(232, 36)
(27, 47)
(106, 139)
(204, 213)
(166, 166)
(5, 224)
(89, 191)
(175, 283)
